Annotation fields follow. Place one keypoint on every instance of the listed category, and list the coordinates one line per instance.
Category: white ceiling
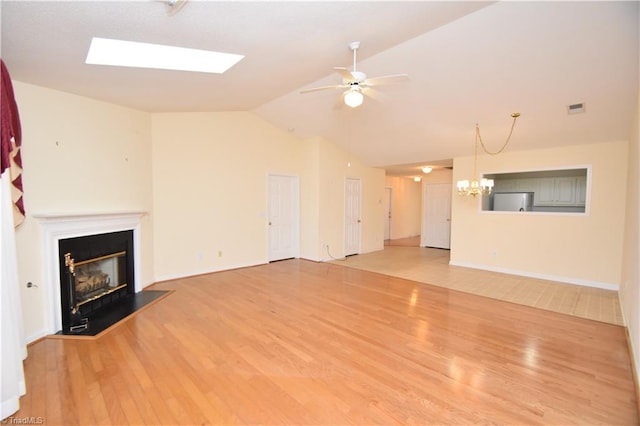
(468, 62)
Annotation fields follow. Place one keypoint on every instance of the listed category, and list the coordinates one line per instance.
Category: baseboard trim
(206, 271)
(34, 338)
(635, 368)
(567, 280)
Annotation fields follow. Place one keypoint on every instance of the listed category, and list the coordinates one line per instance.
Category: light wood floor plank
(298, 342)
(403, 258)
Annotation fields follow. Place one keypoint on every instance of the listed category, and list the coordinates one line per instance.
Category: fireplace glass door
(97, 277)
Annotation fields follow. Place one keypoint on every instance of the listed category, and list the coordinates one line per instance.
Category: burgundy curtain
(11, 141)
(12, 342)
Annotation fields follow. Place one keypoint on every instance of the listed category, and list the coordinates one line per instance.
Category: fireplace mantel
(57, 226)
(67, 216)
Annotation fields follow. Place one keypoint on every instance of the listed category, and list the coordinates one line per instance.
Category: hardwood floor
(404, 242)
(405, 259)
(298, 342)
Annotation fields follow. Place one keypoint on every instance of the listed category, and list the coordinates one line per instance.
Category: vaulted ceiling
(468, 62)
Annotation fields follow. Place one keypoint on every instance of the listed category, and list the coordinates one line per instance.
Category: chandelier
(484, 186)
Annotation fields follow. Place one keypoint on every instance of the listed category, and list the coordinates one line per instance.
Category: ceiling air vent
(575, 108)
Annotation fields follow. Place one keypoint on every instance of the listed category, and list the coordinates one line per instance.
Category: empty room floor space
(302, 342)
(404, 259)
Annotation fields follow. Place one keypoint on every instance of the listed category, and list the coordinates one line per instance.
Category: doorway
(388, 196)
(352, 203)
(284, 217)
(436, 222)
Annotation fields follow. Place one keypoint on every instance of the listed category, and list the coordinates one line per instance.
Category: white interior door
(283, 199)
(352, 216)
(436, 222)
(387, 213)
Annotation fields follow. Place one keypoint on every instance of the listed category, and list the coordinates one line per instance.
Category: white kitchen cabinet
(505, 185)
(565, 191)
(581, 191)
(525, 185)
(560, 191)
(544, 192)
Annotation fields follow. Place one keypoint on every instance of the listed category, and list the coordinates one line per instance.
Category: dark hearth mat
(106, 317)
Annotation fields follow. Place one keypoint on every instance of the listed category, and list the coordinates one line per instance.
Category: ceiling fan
(356, 82)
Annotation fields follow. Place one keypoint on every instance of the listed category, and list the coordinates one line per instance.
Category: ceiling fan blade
(344, 73)
(374, 94)
(386, 79)
(315, 89)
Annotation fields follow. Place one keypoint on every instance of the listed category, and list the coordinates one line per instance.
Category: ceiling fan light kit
(354, 81)
(353, 97)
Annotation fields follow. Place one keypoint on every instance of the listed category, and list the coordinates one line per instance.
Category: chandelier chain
(483, 186)
(515, 116)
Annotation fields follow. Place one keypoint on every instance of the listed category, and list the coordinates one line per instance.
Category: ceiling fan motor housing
(358, 76)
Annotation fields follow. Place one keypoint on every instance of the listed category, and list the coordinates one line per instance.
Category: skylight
(104, 51)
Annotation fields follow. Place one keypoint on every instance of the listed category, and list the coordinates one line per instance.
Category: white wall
(80, 156)
(583, 249)
(210, 175)
(210, 192)
(310, 201)
(630, 284)
(334, 167)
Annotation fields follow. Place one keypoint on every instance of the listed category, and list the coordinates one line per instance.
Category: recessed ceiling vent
(576, 108)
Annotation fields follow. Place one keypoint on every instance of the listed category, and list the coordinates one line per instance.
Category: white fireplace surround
(56, 227)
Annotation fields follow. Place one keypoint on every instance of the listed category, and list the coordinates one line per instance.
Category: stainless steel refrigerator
(513, 201)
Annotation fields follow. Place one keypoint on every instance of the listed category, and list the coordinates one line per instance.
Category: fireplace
(96, 274)
(56, 227)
